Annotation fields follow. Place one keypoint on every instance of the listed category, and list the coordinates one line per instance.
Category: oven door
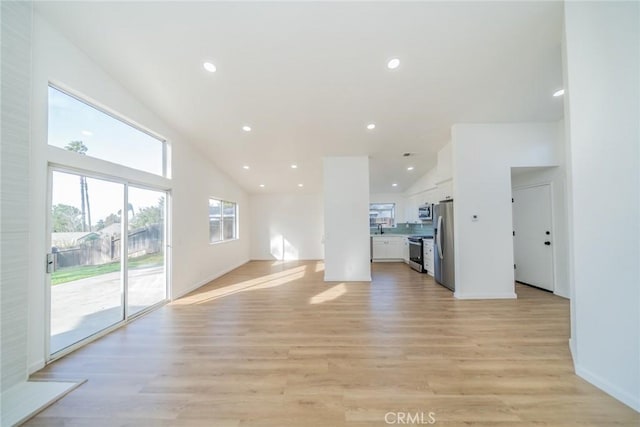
(415, 254)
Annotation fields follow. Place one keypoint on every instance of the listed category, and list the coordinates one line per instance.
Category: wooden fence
(107, 249)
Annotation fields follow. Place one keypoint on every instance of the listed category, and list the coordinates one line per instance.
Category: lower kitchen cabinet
(388, 248)
(428, 255)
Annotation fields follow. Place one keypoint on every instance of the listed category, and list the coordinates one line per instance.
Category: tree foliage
(66, 218)
(149, 215)
(77, 147)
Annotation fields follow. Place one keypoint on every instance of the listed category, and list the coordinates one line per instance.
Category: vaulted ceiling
(308, 77)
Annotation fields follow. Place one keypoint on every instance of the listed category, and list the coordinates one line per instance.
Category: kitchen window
(223, 224)
(383, 214)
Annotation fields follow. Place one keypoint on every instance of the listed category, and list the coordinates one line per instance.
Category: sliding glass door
(146, 260)
(94, 223)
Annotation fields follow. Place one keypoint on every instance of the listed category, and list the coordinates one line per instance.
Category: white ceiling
(308, 77)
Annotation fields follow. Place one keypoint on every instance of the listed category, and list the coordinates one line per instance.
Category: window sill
(219, 242)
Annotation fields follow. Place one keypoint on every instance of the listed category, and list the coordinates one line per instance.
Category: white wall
(194, 179)
(346, 224)
(14, 192)
(286, 226)
(483, 155)
(602, 100)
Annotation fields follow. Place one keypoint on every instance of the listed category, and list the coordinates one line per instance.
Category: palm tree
(80, 148)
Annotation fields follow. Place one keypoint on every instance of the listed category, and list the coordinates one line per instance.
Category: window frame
(236, 222)
(116, 116)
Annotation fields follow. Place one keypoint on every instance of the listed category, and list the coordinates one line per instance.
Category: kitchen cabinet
(428, 255)
(405, 250)
(445, 190)
(387, 248)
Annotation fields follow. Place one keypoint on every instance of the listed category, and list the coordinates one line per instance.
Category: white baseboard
(573, 351)
(207, 280)
(623, 396)
(505, 295)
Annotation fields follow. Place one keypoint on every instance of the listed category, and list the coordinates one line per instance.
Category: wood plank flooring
(271, 344)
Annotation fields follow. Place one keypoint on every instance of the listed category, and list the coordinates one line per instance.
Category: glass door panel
(147, 284)
(86, 286)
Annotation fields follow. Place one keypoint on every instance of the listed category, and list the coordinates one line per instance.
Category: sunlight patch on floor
(329, 295)
(262, 282)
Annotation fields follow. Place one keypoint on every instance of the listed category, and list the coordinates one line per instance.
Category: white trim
(36, 366)
(622, 395)
(103, 169)
(572, 350)
(500, 295)
(209, 279)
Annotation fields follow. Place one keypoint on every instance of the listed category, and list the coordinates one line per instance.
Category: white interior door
(533, 238)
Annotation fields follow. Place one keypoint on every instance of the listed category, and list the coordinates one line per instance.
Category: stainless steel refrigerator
(443, 244)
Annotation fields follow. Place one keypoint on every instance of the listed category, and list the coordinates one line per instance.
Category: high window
(75, 125)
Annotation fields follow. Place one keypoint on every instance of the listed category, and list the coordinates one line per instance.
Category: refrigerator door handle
(439, 242)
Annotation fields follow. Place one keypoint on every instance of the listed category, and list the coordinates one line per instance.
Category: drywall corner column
(346, 219)
(603, 98)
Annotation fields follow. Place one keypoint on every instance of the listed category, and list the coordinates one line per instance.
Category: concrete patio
(84, 307)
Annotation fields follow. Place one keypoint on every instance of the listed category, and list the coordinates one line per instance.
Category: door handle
(547, 243)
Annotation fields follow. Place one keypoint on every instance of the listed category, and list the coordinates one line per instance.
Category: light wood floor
(271, 344)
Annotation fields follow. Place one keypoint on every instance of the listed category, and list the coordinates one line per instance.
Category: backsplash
(408, 229)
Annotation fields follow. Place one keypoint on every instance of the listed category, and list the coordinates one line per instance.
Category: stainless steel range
(416, 253)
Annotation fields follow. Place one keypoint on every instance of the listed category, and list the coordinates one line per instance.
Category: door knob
(547, 243)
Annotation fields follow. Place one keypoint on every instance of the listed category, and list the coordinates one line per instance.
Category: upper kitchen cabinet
(445, 190)
(444, 180)
(445, 165)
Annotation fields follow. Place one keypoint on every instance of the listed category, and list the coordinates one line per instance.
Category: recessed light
(371, 126)
(558, 93)
(394, 185)
(294, 166)
(393, 63)
(245, 167)
(410, 168)
(300, 185)
(261, 185)
(246, 128)
(87, 132)
(209, 67)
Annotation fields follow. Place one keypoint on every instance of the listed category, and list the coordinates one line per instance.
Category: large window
(222, 220)
(77, 126)
(382, 214)
(108, 260)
